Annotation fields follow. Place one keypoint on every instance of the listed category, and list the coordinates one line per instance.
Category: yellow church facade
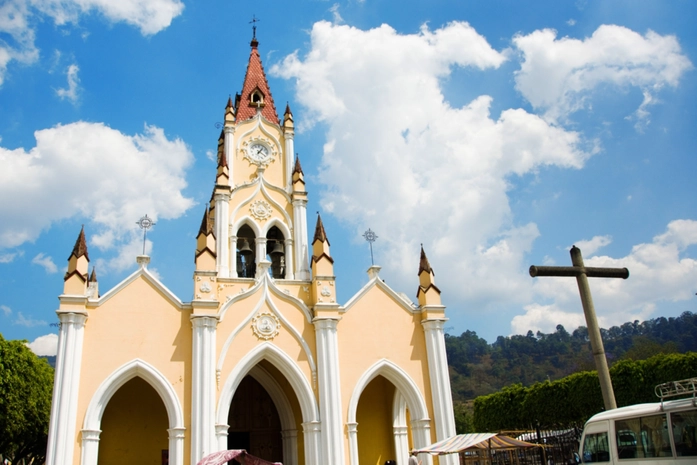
(263, 358)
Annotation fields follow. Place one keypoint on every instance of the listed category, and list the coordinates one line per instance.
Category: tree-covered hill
(478, 368)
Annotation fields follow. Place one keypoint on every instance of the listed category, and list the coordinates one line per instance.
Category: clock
(258, 152)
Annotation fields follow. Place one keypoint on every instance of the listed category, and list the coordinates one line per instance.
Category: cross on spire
(254, 22)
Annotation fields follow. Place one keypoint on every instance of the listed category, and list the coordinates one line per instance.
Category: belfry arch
(93, 417)
(252, 365)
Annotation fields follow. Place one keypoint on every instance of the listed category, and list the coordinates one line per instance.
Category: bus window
(685, 433)
(643, 437)
(595, 448)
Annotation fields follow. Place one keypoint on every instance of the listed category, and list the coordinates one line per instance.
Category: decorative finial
(370, 236)
(254, 22)
(145, 223)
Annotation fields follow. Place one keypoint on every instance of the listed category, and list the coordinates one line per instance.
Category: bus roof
(642, 409)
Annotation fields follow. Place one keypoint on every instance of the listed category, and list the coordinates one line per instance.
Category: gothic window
(275, 252)
(246, 255)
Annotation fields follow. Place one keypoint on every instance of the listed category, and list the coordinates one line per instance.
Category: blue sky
(497, 134)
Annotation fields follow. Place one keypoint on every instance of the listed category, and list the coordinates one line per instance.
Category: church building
(263, 357)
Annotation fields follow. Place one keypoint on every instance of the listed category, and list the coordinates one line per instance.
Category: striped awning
(471, 441)
(222, 457)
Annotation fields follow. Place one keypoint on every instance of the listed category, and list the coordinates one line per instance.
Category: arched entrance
(291, 395)
(254, 423)
(134, 426)
(375, 422)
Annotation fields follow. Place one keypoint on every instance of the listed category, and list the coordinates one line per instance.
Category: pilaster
(440, 383)
(229, 134)
(222, 215)
(302, 257)
(61, 435)
(329, 390)
(203, 433)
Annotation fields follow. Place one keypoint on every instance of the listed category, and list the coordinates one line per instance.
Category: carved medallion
(205, 288)
(265, 326)
(260, 209)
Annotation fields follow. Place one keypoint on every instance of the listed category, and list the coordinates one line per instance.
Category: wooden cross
(582, 274)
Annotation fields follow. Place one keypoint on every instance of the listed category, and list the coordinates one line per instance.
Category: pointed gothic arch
(295, 377)
(407, 396)
(93, 416)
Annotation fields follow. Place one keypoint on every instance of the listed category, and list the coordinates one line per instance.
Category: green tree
(26, 383)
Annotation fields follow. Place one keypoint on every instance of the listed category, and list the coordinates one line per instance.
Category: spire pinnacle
(423, 263)
(80, 247)
(298, 168)
(205, 228)
(320, 235)
(93, 276)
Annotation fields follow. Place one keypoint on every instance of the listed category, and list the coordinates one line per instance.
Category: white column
(302, 259)
(203, 434)
(311, 438)
(229, 140)
(288, 249)
(353, 442)
(222, 218)
(421, 431)
(176, 446)
(290, 159)
(233, 254)
(290, 446)
(62, 433)
(260, 243)
(443, 414)
(221, 433)
(401, 444)
(329, 390)
(90, 446)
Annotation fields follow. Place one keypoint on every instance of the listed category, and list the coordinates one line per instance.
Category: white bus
(662, 433)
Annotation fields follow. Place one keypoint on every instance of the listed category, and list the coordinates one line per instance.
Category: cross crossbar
(591, 272)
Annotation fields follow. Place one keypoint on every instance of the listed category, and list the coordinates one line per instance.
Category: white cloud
(21, 320)
(46, 262)
(10, 256)
(90, 170)
(558, 76)
(18, 19)
(73, 81)
(420, 162)
(659, 271)
(336, 16)
(45, 346)
(592, 246)
(7, 311)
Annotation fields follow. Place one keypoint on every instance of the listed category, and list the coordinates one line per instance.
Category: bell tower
(258, 206)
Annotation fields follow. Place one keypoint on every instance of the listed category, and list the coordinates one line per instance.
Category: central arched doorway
(254, 423)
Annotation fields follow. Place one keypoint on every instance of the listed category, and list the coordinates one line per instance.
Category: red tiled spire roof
(255, 80)
(297, 168)
(80, 247)
(320, 235)
(423, 263)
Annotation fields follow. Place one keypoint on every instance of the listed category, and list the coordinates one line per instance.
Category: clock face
(258, 152)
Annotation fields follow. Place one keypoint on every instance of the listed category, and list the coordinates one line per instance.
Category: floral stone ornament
(260, 209)
(265, 326)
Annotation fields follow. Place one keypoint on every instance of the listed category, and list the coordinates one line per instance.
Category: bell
(245, 249)
(277, 248)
